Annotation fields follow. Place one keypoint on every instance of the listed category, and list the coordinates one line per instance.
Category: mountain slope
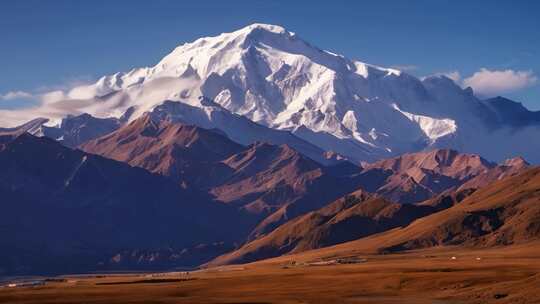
(360, 214)
(63, 210)
(349, 218)
(261, 178)
(267, 177)
(190, 155)
(276, 183)
(210, 115)
(513, 113)
(271, 76)
(503, 213)
(280, 183)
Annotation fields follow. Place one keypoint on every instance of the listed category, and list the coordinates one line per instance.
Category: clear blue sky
(48, 44)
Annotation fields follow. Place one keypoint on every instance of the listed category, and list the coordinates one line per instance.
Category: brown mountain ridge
(506, 212)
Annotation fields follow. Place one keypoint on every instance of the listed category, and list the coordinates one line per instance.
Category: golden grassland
(437, 276)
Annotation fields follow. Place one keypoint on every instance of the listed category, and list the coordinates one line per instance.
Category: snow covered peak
(271, 76)
(271, 44)
(265, 27)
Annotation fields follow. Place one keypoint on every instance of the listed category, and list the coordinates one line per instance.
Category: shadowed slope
(65, 210)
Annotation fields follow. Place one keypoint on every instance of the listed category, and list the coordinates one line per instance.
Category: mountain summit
(272, 77)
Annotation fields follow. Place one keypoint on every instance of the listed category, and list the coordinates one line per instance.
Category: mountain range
(255, 144)
(170, 194)
(361, 214)
(501, 214)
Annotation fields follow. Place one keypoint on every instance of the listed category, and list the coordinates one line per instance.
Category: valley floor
(436, 276)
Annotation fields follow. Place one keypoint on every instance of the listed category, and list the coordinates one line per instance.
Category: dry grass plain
(497, 275)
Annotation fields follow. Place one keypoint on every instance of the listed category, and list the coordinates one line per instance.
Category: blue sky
(48, 45)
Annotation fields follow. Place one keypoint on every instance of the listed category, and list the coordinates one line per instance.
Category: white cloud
(493, 82)
(16, 95)
(54, 102)
(53, 96)
(487, 83)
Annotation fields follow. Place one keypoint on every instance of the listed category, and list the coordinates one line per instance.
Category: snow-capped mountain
(274, 78)
(72, 130)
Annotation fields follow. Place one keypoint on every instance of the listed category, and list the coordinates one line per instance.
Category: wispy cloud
(405, 67)
(43, 94)
(21, 100)
(493, 82)
(18, 100)
(14, 95)
(51, 101)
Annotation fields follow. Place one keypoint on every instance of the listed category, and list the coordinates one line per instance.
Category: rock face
(269, 75)
(64, 210)
(419, 176)
(190, 155)
(507, 168)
